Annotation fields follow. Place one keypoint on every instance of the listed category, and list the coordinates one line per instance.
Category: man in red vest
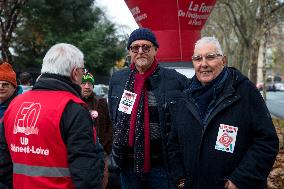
(49, 131)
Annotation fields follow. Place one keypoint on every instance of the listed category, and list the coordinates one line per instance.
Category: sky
(118, 12)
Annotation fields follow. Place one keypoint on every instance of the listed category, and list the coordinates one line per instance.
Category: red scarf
(139, 86)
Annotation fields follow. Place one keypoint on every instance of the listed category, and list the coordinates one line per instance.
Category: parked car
(101, 90)
(279, 86)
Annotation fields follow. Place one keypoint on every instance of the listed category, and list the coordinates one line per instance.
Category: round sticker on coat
(94, 114)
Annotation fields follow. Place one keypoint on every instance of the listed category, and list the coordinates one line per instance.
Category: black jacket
(85, 156)
(193, 153)
(163, 81)
(6, 165)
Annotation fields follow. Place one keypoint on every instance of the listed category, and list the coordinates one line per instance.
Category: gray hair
(61, 59)
(211, 40)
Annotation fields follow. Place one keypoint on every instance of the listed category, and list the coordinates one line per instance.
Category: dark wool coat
(102, 122)
(163, 82)
(194, 153)
(6, 165)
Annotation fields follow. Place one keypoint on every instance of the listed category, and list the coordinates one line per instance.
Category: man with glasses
(222, 134)
(137, 98)
(26, 81)
(8, 91)
(99, 112)
(8, 86)
(49, 131)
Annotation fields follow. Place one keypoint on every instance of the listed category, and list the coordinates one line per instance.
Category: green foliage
(46, 23)
(62, 16)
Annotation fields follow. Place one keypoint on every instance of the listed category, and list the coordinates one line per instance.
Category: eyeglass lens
(145, 48)
(208, 57)
(4, 85)
(85, 70)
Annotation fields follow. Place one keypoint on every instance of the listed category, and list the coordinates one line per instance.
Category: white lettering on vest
(29, 149)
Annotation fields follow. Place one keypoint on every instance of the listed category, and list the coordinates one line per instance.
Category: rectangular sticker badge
(127, 102)
(226, 138)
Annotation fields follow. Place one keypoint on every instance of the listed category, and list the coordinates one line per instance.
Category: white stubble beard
(141, 62)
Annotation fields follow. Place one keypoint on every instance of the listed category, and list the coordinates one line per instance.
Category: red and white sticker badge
(226, 138)
(127, 102)
(94, 114)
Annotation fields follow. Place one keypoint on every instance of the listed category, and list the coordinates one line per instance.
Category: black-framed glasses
(5, 85)
(85, 70)
(145, 48)
(208, 57)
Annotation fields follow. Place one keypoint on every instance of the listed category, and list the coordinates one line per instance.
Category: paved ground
(275, 103)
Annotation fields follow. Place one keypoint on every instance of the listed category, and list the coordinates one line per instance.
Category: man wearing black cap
(137, 99)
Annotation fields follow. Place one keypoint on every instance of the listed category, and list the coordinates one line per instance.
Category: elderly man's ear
(75, 76)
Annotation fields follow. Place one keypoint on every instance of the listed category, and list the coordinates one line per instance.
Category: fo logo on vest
(26, 118)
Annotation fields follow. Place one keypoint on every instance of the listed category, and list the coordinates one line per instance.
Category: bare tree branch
(9, 18)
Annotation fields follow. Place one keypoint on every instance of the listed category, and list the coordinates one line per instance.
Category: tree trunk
(254, 62)
(5, 51)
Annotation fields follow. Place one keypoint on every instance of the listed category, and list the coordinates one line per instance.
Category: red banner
(176, 24)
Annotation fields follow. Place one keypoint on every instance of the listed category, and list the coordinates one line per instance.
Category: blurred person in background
(49, 131)
(8, 87)
(99, 111)
(136, 101)
(119, 65)
(222, 134)
(26, 81)
(8, 91)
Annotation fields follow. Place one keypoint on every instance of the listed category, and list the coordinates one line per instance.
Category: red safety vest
(33, 135)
